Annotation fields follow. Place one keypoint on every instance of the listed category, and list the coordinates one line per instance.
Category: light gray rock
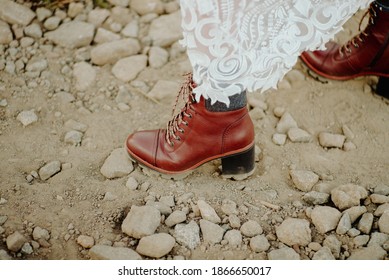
(168, 200)
(233, 237)
(366, 222)
(131, 29)
(75, 9)
(187, 235)
(251, 228)
(325, 218)
(98, 16)
(207, 212)
(378, 238)
(166, 29)
(361, 240)
(2, 230)
(279, 139)
(346, 196)
(40, 233)
(103, 36)
(355, 212)
(379, 198)
(330, 140)
(75, 125)
(84, 75)
(162, 207)
(381, 209)
(6, 35)
(108, 196)
(229, 207)
(294, 231)
(141, 221)
(316, 198)
(132, 183)
(373, 252)
(85, 241)
(381, 189)
(143, 7)
(285, 123)
(156, 245)
(383, 222)
(353, 232)
(304, 180)
(14, 13)
(104, 252)
(349, 146)
(52, 23)
(298, 135)
(175, 218)
(37, 65)
(344, 224)
(164, 90)
(3, 219)
(334, 244)
(127, 69)
(211, 232)
(15, 241)
(158, 57)
(4, 255)
(234, 221)
(111, 52)
(33, 30)
(324, 253)
(66, 37)
(73, 137)
(259, 244)
(27, 117)
(43, 13)
(285, 253)
(117, 164)
(49, 170)
(65, 97)
(121, 3)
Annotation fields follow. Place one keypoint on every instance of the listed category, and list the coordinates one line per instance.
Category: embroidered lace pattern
(236, 45)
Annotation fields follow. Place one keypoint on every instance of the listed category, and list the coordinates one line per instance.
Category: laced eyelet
(356, 45)
(182, 130)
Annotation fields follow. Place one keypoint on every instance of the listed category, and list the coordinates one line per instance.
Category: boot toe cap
(142, 145)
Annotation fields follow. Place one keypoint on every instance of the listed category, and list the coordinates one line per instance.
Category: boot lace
(174, 125)
(360, 38)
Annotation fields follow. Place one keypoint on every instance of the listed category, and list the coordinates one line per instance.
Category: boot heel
(239, 166)
(383, 87)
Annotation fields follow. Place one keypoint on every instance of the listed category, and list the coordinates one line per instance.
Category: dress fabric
(237, 45)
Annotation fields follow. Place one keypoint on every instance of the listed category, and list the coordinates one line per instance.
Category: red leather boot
(366, 54)
(196, 136)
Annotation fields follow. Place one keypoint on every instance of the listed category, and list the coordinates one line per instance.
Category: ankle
(237, 101)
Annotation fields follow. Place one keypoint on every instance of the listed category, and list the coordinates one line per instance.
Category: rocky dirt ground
(74, 81)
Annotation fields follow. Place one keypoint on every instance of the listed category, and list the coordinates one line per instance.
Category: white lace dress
(236, 45)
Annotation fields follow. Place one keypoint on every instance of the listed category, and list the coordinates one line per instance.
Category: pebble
(346, 196)
(98, 16)
(156, 245)
(14, 13)
(285, 123)
(49, 170)
(117, 164)
(279, 111)
(162, 207)
(158, 57)
(52, 23)
(279, 139)
(27, 249)
(334, 244)
(3, 219)
(330, 140)
(15, 241)
(2, 230)
(325, 218)
(315, 246)
(234, 221)
(355, 212)
(211, 232)
(233, 237)
(110, 196)
(40, 233)
(324, 253)
(259, 244)
(166, 29)
(316, 198)
(298, 135)
(85, 241)
(381, 209)
(73, 137)
(353, 232)
(285, 253)
(381, 189)
(4, 255)
(75, 9)
(188, 235)
(294, 231)
(304, 180)
(349, 146)
(65, 97)
(103, 36)
(66, 37)
(175, 218)
(127, 69)
(143, 7)
(111, 52)
(207, 212)
(84, 75)
(132, 183)
(131, 29)
(379, 198)
(344, 224)
(378, 238)
(104, 252)
(229, 207)
(75, 125)
(3, 201)
(366, 222)
(141, 221)
(27, 117)
(3, 103)
(43, 13)
(383, 222)
(373, 252)
(34, 30)
(6, 35)
(251, 228)
(348, 132)
(167, 200)
(164, 90)
(361, 240)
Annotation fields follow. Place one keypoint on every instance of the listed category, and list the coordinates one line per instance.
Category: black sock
(384, 4)
(237, 101)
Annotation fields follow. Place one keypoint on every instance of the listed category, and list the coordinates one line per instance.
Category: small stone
(279, 111)
(349, 146)
(378, 238)
(73, 137)
(3, 219)
(52, 23)
(298, 135)
(85, 241)
(381, 189)
(75, 9)
(330, 140)
(285, 123)
(344, 224)
(98, 16)
(229, 207)
(379, 198)
(163, 208)
(279, 139)
(132, 183)
(104, 252)
(348, 132)
(294, 231)
(383, 222)
(49, 170)
(251, 228)
(131, 29)
(15, 241)
(373, 252)
(6, 35)
(43, 13)
(3, 201)
(40, 233)
(15, 13)
(103, 36)
(188, 235)
(141, 221)
(156, 245)
(66, 37)
(315, 246)
(166, 29)
(127, 69)
(167, 200)
(234, 221)
(212, 233)
(75, 125)
(27, 117)
(65, 97)
(348, 195)
(109, 196)
(381, 209)
(316, 198)
(304, 180)
(117, 164)
(355, 212)
(111, 52)
(143, 7)
(325, 218)
(34, 30)
(353, 232)
(175, 218)
(4, 255)
(366, 222)
(84, 75)
(361, 240)
(259, 244)
(234, 238)
(164, 90)
(158, 57)
(334, 244)
(3, 103)
(207, 212)
(324, 253)
(285, 253)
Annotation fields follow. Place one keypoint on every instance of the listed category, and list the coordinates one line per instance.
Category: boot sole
(238, 165)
